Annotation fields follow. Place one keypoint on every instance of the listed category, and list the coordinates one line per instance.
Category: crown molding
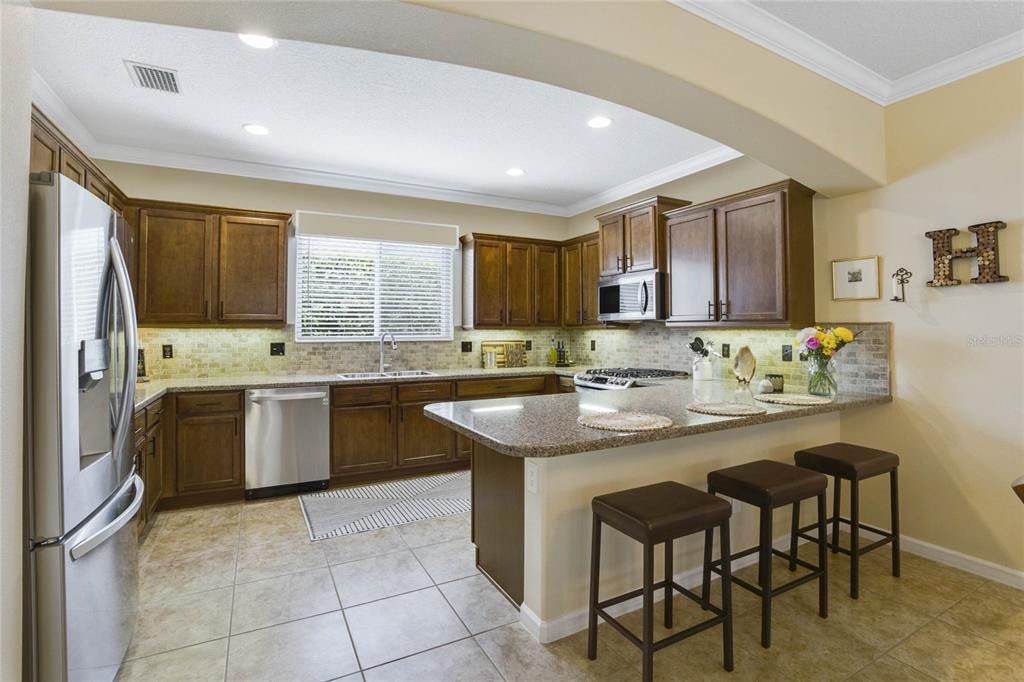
(694, 164)
(762, 28)
(50, 103)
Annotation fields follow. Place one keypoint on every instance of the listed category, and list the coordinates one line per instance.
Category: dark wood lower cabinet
(422, 440)
(498, 527)
(208, 451)
(153, 453)
(361, 439)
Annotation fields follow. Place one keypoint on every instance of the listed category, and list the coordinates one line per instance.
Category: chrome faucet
(394, 347)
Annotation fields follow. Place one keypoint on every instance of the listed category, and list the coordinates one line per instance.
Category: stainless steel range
(617, 378)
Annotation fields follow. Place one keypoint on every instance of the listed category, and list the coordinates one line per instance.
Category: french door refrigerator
(83, 492)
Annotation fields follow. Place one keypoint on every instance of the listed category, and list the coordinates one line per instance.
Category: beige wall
(170, 184)
(15, 82)
(728, 178)
(956, 158)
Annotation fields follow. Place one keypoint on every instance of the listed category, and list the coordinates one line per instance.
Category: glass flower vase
(821, 376)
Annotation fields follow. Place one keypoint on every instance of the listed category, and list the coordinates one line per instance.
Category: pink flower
(812, 343)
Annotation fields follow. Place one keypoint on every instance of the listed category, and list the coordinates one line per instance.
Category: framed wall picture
(855, 279)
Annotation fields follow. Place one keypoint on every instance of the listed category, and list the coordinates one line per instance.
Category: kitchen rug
(726, 409)
(803, 399)
(344, 511)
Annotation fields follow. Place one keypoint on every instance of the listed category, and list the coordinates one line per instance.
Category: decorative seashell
(744, 365)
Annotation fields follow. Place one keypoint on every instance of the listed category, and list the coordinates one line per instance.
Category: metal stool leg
(854, 539)
(648, 613)
(822, 559)
(595, 579)
(668, 583)
(765, 570)
(894, 503)
(838, 492)
(723, 534)
(705, 591)
(792, 535)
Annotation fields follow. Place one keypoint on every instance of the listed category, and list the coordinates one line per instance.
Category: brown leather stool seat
(854, 463)
(651, 515)
(767, 485)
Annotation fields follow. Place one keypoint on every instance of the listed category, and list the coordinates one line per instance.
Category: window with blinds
(355, 290)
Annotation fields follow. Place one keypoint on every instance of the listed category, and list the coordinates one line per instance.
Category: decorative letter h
(986, 251)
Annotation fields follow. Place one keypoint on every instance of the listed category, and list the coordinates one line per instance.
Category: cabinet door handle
(724, 306)
(618, 262)
(711, 311)
(222, 309)
(389, 414)
(401, 414)
(206, 310)
(236, 426)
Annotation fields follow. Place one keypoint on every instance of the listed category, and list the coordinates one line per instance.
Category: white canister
(702, 370)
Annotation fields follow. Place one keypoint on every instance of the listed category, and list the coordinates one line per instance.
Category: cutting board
(507, 353)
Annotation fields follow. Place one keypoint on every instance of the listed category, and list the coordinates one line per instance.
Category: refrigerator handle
(131, 342)
(101, 536)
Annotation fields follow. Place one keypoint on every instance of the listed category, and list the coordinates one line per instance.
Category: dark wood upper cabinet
(97, 185)
(590, 273)
(572, 279)
(751, 254)
(691, 246)
(252, 273)
(632, 237)
(176, 263)
(45, 151)
(72, 167)
(611, 234)
(489, 278)
(545, 285)
(208, 452)
(519, 284)
(752, 259)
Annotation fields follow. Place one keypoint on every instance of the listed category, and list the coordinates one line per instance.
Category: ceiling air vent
(153, 77)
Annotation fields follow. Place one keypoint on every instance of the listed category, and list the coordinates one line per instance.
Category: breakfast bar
(536, 470)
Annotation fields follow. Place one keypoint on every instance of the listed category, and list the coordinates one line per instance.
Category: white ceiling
(350, 118)
(886, 50)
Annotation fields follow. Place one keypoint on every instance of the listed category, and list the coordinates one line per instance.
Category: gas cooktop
(620, 377)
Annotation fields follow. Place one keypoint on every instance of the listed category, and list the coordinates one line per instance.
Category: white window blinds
(355, 290)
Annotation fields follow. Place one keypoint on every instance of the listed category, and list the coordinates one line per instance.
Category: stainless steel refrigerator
(83, 492)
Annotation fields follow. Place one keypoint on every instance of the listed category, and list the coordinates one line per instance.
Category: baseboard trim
(571, 623)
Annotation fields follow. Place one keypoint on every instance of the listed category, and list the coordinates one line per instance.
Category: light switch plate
(168, 351)
(726, 349)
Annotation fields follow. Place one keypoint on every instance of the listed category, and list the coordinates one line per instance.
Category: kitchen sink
(411, 373)
(362, 375)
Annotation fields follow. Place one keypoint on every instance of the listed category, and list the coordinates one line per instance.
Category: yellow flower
(829, 341)
(843, 334)
(827, 351)
(820, 334)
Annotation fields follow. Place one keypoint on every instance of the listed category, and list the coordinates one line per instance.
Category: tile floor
(238, 592)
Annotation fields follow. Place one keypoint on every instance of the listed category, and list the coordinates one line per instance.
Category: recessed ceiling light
(599, 122)
(256, 129)
(515, 172)
(257, 41)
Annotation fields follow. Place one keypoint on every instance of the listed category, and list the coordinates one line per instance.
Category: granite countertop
(150, 391)
(546, 426)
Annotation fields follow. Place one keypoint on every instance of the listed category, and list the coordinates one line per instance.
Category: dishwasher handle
(270, 397)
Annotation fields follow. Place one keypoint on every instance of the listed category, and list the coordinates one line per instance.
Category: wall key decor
(986, 250)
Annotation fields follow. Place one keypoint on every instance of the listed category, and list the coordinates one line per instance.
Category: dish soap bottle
(553, 353)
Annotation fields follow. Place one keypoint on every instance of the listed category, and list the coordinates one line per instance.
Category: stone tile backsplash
(862, 366)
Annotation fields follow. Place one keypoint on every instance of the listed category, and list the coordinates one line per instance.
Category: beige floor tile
(519, 657)
(263, 531)
(172, 624)
(396, 627)
(888, 669)
(924, 585)
(951, 653)
(285, 598)
(167, 545)
(461, 661)
(362, 545)
(433, 531)
(1003, 592)
(272, 508)
(377, 577)
(199, 663)
(174, 577)
(201, 517)
(479, 603)
(271, 559)
(991, 614)
(448, 560)
(312, 649)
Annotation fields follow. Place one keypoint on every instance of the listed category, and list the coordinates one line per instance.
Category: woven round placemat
(624, 421)
(802, 399)
(726, 409)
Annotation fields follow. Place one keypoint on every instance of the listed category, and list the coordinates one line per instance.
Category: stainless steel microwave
(625, 298)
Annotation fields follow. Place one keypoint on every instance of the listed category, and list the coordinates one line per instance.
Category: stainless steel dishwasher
(286, 440)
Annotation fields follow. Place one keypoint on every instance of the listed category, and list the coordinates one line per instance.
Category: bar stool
(769, 485)
(854, 463)
(655, 514)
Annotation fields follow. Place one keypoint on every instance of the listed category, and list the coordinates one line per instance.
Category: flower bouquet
(820, 345)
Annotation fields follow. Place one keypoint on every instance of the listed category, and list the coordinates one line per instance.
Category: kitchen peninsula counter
(535, 471)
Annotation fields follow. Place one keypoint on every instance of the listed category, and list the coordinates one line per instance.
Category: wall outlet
(787, 353)
(532, 476)
(277, 348)
(803, 356)
(593, 344)
(725, 350)
(467, 346)
(168, 351)
(529, 345)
